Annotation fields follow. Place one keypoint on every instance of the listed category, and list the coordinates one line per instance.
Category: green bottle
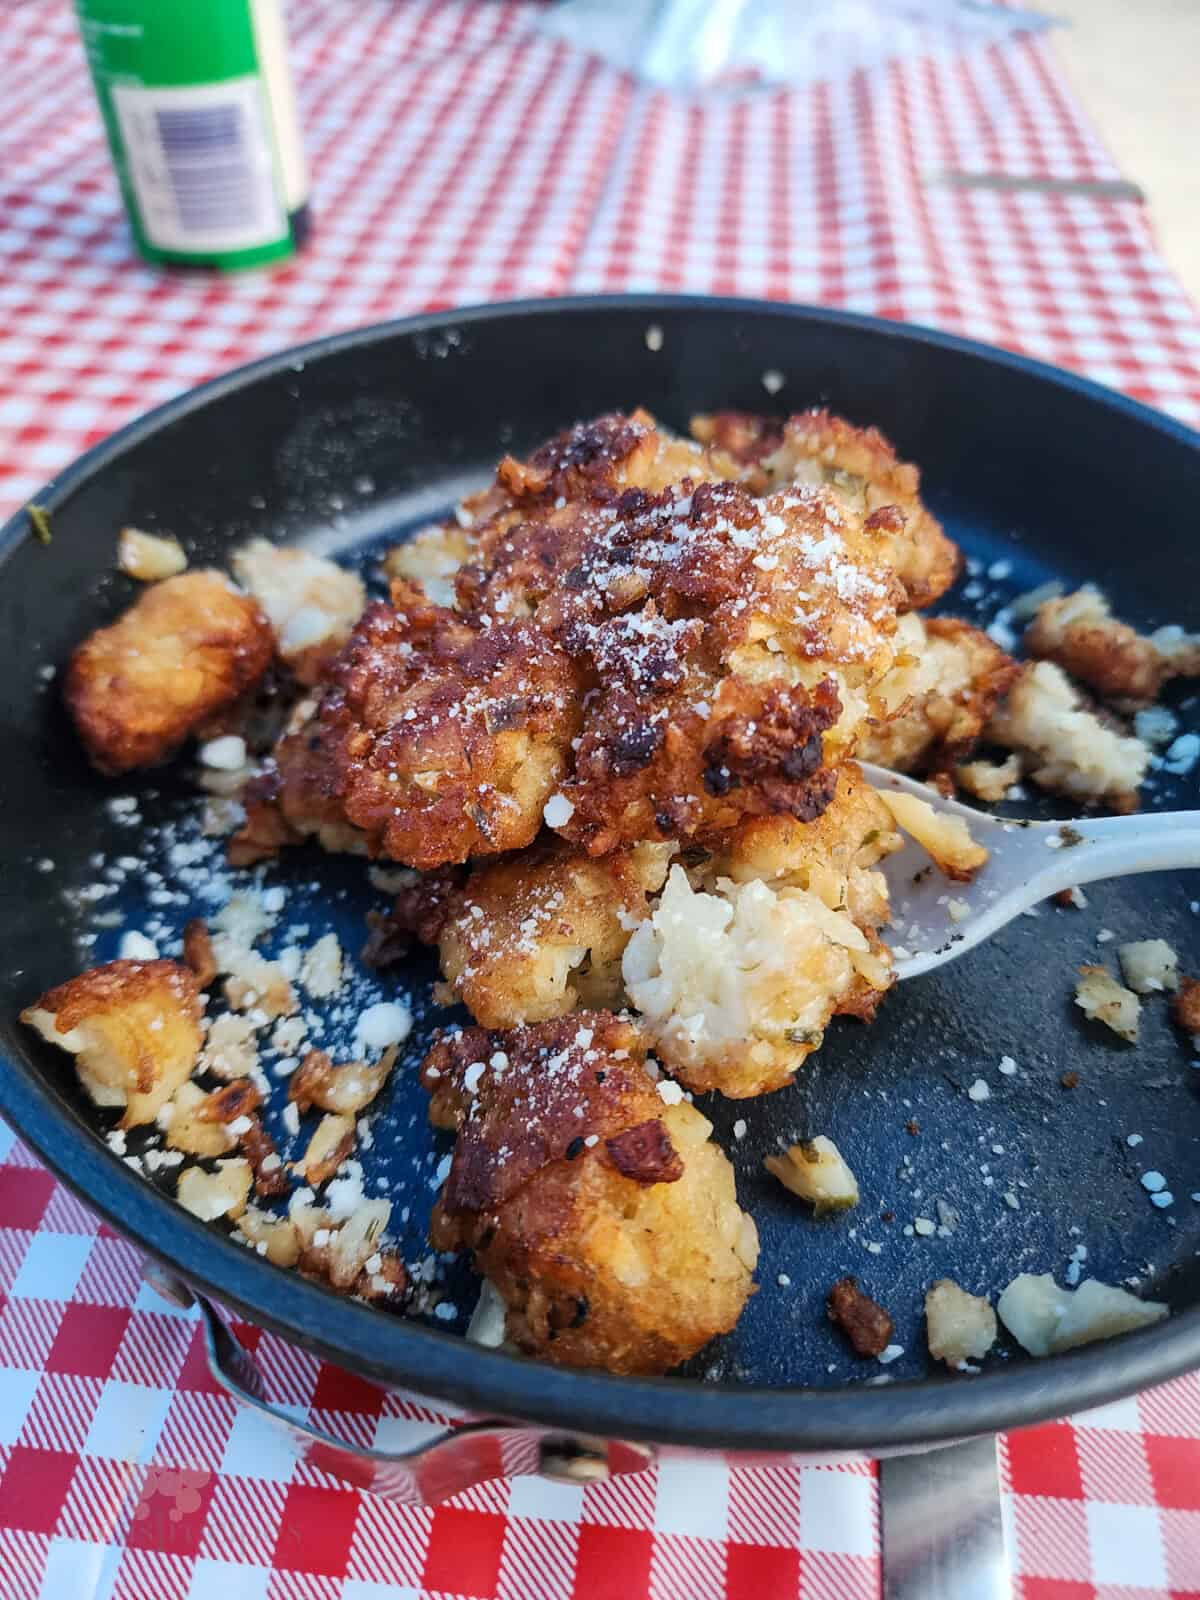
(197, 100)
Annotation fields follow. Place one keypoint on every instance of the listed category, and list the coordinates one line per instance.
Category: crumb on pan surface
(149, 557)
(1046, 1319)
(864, 1321)
(1149, 966)
(1079, 632)
(1102, 999)
(606, 1218)
(1065, 746)
(961, 1327)
(816, 1171)
(186, 649)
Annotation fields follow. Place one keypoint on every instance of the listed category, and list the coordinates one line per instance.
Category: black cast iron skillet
(356, 439)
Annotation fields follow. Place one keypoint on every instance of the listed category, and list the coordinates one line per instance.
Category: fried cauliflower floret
(862, 468)
(431, 558)
(134, 1029)
(1065, 747)
(604, 1216)
(736, 986)
(832, 857)
(1080, 633)
(734, 647)
(541, 932)
(186, 649)
(947, 682)
(436, 737)
(312, 604)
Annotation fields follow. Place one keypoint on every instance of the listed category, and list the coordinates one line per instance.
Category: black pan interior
(352, 444)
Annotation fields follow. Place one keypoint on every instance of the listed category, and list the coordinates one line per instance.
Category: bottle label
(198, 105)
(200, 163)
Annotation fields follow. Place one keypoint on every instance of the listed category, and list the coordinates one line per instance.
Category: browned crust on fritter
(185, 649)
(438, 738)
(858, 463)
(645, 1154)
(120, 983)
(1185, 1008)
(1112, 658)
(525, 1117)
(865, 1323)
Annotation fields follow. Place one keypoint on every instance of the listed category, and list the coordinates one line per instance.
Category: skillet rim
(869, 1419)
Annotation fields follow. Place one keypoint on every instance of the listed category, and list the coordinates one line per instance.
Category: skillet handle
(451, 1460)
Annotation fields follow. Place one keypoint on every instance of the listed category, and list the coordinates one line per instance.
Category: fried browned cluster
(187, 648)
(603, 1216)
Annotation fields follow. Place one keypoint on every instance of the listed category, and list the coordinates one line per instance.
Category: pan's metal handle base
(456, 1459)
(943, 1533)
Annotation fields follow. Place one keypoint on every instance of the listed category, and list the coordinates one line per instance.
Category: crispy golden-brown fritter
(1080, 633)
(437, 737)
(186, 649)
(133, 1028)
(541, 932)
(948, 680)
(604, 1217)
(861, 467)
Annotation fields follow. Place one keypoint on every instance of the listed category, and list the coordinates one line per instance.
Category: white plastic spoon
(934, 920)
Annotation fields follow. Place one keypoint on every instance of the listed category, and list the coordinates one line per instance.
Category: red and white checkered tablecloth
(457, 159)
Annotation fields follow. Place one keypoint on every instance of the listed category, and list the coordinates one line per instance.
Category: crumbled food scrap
(321, 968)
(1080, 633)
(134, 1028)
(1071, 899)
(223, 1192)
(186, 649)
(347, 1088)
(186, 1128)
(253, 983)
(1045, 1319)
(1149, 966)
(736, 986)
(331, 1143)
(278, 1236)
(989, 780)
(149, 557)
(198, 951)
(1102, 999)
(1185, 1008)
(349, 1253)
(225, 753)
(1156, 726)
(816, 1171)
(382, 1025)
(612, 1244)
(231, 1049)
(244, 918)
(311, 603)
(946, 838)
(432, 557)
(1065, 747)
(1070, 1080)
(487, 1320)
(863, 1320)
(979, 1091)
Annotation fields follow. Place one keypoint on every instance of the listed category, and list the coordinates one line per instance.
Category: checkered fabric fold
(456, 159)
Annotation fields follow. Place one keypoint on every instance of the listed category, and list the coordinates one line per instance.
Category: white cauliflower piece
(1102, 999)
(737, 985)
(1149, 966)
(1046, 1320)
(961, 1326)
(1065, 747)
(818, 1173)
(312, 604)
